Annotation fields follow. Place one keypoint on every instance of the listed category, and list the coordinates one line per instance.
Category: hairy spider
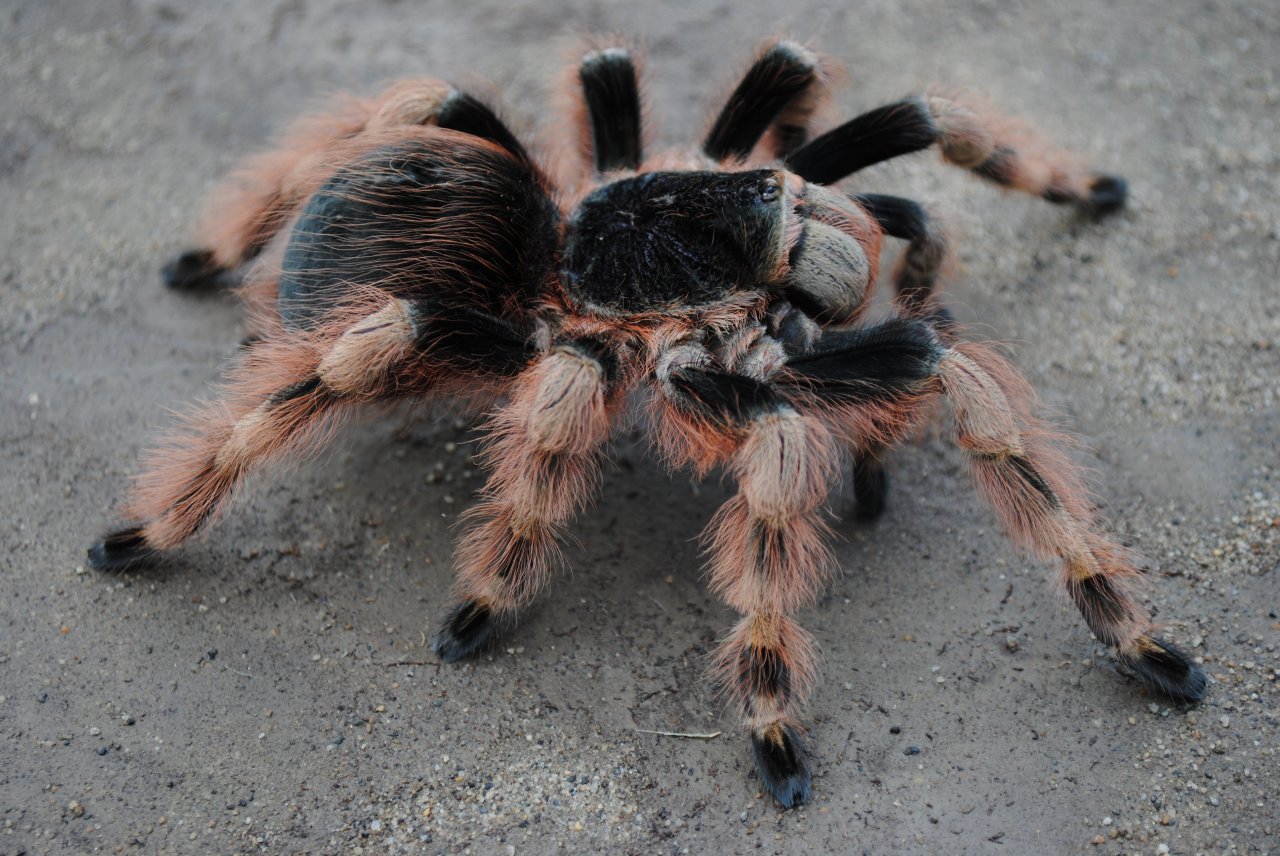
(411, 246)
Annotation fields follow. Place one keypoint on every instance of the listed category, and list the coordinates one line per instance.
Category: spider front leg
(1040, 499)
(544, 459)
(969, 136)
(916, 275)
(768, 556)
(873, 385)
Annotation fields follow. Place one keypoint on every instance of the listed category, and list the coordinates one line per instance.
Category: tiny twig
(710, 736)
(234, 672)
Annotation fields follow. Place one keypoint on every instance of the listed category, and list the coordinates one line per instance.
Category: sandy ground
(271, 690)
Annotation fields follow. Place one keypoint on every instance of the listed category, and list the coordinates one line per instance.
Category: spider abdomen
(444, 217)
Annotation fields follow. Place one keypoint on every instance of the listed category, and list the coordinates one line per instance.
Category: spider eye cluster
(664, 241)
(769, 189)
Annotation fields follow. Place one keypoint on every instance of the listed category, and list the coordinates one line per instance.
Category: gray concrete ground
(271, 689)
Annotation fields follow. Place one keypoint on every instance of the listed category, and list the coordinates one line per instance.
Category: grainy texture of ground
(247, 697)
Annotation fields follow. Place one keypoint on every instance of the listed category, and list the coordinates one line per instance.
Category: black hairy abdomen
(443, 218)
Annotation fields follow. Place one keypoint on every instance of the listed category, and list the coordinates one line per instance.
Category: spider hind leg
(250, 207)
(287, 394)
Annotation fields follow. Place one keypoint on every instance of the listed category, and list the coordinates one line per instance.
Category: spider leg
(1040, 500)
(613, 123)
(871, 384)
(768, 555)
(917, 271)
(968, 136)
(1036, 492)
(247, 210)
(544, 457)
(286, 396)
(776, 97)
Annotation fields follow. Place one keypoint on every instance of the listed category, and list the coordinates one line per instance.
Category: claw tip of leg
(1107, 193)
(121, 550)
(782, 761)
(1167, 670)
(193, 270)
(469, 628)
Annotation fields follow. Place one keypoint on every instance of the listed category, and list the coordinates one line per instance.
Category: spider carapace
(409, 246)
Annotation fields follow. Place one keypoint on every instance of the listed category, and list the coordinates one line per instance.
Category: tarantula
(411, 246)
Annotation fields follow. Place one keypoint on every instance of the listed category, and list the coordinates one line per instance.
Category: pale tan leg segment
(545, 460)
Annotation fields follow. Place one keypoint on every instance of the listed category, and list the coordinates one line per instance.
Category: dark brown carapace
(410, 247)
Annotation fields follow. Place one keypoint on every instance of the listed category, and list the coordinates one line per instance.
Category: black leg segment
(784, 74)
(783, 764)
(1167, 670)
(876, 364)
(611, 89)
(886, 132)
(470, 628)
(120, 551)
(726, 399)
(465, 113)
(870, 487)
